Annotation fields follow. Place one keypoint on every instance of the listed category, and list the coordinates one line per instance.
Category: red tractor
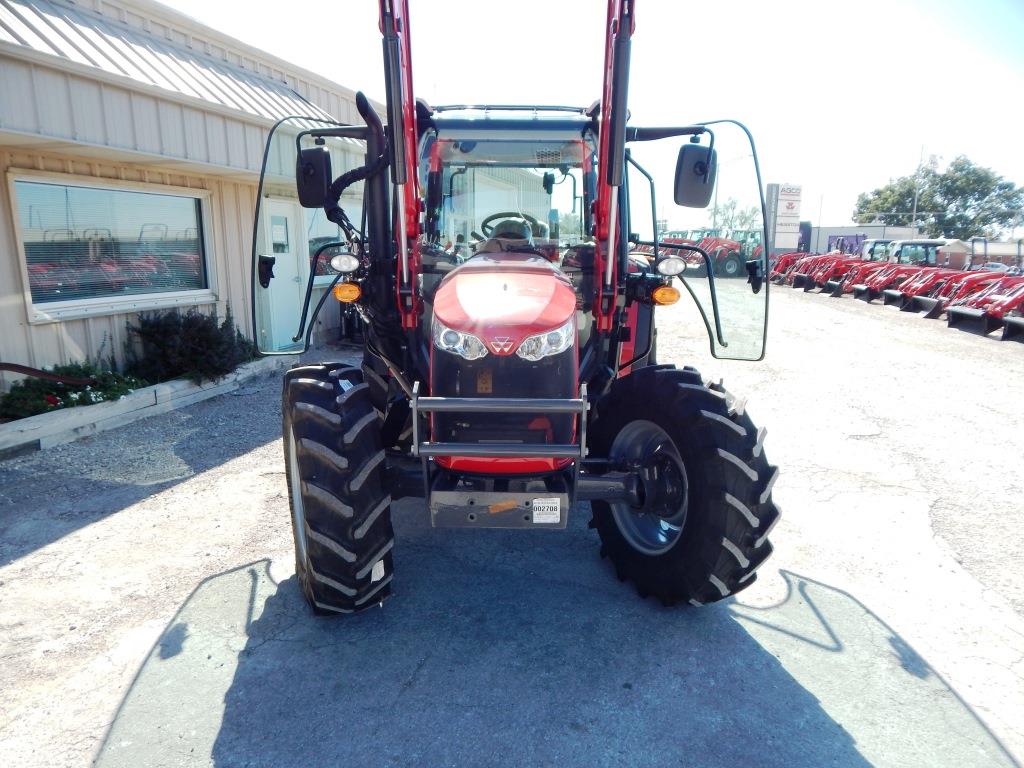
(906, 258)
(923, 284)
(783, 263)
(986, 310)
(727, 255)
(508, 369)
(953, 291)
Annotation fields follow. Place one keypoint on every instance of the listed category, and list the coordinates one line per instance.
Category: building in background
(820, 235)
(131, 140)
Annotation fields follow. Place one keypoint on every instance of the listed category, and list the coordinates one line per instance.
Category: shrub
(190, 345)
(30, 397)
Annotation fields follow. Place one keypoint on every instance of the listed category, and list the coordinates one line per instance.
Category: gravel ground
(149, 612)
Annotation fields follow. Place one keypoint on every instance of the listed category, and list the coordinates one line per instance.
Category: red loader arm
(401, 103)
(610, 157)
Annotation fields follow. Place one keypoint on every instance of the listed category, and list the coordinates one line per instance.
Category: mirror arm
(341, 132)
(309, 289)
(319, 306)
(711, 281)
(653, 134)
(711, 153)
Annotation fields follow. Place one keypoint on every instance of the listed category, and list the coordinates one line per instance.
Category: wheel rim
(731, 267)
(654, 527)
(298, 510)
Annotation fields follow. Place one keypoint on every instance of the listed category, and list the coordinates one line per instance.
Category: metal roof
(87, 39)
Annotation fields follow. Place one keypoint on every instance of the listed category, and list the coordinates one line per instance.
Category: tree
(729, 216)
(963, 201)
(568, 225)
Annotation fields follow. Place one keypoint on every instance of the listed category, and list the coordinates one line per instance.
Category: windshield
(474, 185)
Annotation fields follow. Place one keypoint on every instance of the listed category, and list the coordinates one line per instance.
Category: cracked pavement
(150, 615)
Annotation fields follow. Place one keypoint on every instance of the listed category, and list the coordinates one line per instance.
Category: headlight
(670, 266)
(549, 343)
(344, 263)
(465, 345)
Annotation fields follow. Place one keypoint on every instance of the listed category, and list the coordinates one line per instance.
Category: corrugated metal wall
(232, 211)
(62, 105)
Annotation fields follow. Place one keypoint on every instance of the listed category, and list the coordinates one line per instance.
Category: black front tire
(341, 516)
(732, 266)
(729, 512)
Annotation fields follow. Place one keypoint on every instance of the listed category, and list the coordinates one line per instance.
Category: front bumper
(479, 501)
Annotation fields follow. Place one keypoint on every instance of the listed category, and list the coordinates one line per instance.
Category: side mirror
(695, 163)
(549, 183)
(313, 176)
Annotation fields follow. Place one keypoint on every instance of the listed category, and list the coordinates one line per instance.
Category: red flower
(52, 400)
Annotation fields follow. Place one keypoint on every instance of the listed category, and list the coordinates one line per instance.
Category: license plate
(547, 510)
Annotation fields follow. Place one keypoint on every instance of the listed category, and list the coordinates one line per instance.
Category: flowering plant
(33, 396)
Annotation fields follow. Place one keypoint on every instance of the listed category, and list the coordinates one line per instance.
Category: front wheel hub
(662, 485)
(655, 523)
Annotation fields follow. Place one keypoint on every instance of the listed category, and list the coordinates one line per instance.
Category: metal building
(131, 139)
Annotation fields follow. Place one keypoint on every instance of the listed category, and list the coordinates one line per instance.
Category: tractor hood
(502, 298)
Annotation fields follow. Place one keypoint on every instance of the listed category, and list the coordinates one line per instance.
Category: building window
(86, 243)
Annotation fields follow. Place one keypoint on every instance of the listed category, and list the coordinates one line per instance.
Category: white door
(286, 242)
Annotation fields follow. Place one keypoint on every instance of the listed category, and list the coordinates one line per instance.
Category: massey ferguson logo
(501, 344)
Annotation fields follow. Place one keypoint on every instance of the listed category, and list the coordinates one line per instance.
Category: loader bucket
(799, 279)
(835, 287)
(932, 308)
(1013, 329)
(892, 296)
(864, 293)
(972, 320)
(809, 285)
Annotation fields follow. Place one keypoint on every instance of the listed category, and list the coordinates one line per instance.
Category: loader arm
(402, 139)
(612, 116)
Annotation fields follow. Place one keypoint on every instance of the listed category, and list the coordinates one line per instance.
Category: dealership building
(131, 141)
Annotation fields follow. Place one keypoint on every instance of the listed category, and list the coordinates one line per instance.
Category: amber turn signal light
(664, 295)
(349, 292)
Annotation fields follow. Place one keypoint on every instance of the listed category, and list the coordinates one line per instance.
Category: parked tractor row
(916, 276)
(729, 249)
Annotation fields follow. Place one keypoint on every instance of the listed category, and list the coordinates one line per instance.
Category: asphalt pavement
(150, 614)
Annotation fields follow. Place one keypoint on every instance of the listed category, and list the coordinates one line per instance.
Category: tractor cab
(503, 186)
(917, 252)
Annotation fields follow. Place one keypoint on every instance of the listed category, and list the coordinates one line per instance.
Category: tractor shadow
(47, 495)
(521, 648)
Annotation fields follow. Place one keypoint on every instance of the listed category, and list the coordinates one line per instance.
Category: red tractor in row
(508, 371)
(729, 251)
(1000, 304)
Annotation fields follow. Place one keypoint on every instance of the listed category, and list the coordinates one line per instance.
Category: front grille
(503, 377)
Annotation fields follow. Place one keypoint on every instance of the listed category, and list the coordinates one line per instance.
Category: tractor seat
(512, 235)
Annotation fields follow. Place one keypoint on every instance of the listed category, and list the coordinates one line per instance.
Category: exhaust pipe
(1013, 329)
(891, 296)
(972, 320)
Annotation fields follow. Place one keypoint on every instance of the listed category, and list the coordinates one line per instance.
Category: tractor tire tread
(725, 537)
(347, 528)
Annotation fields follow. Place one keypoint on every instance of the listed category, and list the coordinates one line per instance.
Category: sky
(840, 95)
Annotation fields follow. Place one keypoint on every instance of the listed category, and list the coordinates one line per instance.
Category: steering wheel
(487, 227)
